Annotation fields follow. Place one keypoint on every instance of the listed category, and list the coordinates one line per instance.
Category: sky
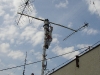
(28, 35)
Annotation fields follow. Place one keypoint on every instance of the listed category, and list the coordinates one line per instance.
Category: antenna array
(47, 32)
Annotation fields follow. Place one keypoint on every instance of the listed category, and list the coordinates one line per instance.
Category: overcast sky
(28, 35)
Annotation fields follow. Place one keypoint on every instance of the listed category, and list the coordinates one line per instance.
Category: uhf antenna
(85, 25)
(25, 64)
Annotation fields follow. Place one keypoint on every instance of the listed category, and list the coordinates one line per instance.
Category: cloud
(32, 35)
(62, 4)
(5, 5)
(1, 11)
(4, 47)
(55, 38)
(17, 3)
(90, 31)
(31, 51)
(38, 55)
(37, 23)
(94, 6)
(16, 54)
(2, 64)
(83, 45)
(8, 33)
(59, 50)
(28, 32)
(7, 73)
(70, 24)
(37, 38)
(55, 41)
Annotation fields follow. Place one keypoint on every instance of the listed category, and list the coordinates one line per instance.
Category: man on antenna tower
(47, 33)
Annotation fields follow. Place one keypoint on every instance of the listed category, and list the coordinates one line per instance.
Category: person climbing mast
(47, 33)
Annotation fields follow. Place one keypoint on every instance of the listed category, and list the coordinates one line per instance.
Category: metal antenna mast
(47, 40)
(25, 64)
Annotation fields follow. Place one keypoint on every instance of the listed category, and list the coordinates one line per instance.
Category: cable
(20, 65)
(66, 53)
(51, 57)
(95, 43)
(42, 60)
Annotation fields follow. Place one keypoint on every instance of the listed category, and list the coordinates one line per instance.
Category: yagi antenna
(85, 25)
(49, 22)
(26, 3)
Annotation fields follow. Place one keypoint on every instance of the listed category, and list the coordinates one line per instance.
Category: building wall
(89, 65)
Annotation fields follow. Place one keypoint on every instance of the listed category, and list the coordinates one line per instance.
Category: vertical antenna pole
(43, 61)
(46, 33)
(25, 64)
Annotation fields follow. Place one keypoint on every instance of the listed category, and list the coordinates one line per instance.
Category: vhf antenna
(26, 3)
(85, 25)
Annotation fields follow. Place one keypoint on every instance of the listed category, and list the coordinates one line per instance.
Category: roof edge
(74, 58)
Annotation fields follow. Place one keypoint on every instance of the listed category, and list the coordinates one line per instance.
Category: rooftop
(90, 48)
